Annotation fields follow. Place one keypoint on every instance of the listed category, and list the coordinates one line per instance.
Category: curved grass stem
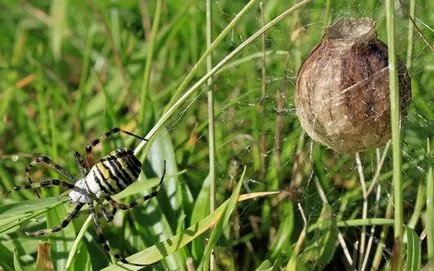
(151, 134)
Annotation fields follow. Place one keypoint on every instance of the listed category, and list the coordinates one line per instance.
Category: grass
(73, 70)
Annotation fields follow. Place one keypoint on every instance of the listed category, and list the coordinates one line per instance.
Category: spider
(98, 182)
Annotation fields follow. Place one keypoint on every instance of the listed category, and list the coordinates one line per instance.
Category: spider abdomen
(109, 176)
(116, 171)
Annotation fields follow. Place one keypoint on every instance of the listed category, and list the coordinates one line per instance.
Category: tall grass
(396, 137)
(253, 190)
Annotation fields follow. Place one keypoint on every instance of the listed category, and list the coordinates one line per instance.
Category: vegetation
(245, 188)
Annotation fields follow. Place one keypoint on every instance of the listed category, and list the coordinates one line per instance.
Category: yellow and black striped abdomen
(116, 171)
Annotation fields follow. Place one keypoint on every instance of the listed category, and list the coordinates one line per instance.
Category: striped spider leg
(104, 243)
(81, 164)
(123, 206)
(45, 160)
(107, 135)
(98, 182)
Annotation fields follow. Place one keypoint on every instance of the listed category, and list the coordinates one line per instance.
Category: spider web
(245, 115)
(239, 100)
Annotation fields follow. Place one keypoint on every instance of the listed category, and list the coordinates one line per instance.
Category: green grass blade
(396, 135)
(320, 249)
(414, 250)
(200, 210)
(284, 233)
(160, 250)
(222, 223)
(58, 15)
(17, 264)
(61, 242)
(7, 258)
(209, 50)
(77, 242)
(430, 206)
(149, 57)
(151, 134)
(175, 197)
(12, 215)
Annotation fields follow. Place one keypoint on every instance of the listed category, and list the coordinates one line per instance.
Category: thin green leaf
(414, 250)
(319, 251)
(171, 201)
(6, 257)
(430, 206)
(222, 223)
(160, 250)
(12, 215)
(285, 231)
(17, 264)
(77, 242)
(58, 15)
(269, 266)
(62, 240)
(200, 211)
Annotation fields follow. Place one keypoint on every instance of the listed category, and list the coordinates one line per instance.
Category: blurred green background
(72, 70)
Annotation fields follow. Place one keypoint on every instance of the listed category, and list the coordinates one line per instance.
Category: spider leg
(134, 203)
(61, 226)
(107, 135)
(44, 183)
(82, 166)
(103, 241)
(47, 161)
(108, 217)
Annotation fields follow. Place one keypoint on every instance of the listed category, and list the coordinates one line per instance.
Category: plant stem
(211, 126)
(77, 241)
(328, 13)
(396, 141)
(202, 59)
(410, 34)
(217, 67)
(114, 48)
(262, 142)
(364, 210)
(148, 65)
(430, 207)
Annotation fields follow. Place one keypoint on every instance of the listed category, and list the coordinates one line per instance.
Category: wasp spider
(98, 182)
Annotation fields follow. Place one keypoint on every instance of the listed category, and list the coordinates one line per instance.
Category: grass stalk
(211, 111)
(410, 37)
(77, 241)
(217, 67)
(380, 164)
(364, 210)
(262, 141)
(211, 116)
(430, 208)
(148, 64)
(278, 134)
(396, 137)
(379, 253)
(211, 48)
(292, 263)
(413, 20)
(372, 233)
(114, 48)
(328, 13)
(418, 206)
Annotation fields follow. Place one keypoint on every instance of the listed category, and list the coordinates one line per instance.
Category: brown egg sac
(342, 89)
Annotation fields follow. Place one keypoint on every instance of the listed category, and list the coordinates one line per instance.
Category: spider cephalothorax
(98, 182)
